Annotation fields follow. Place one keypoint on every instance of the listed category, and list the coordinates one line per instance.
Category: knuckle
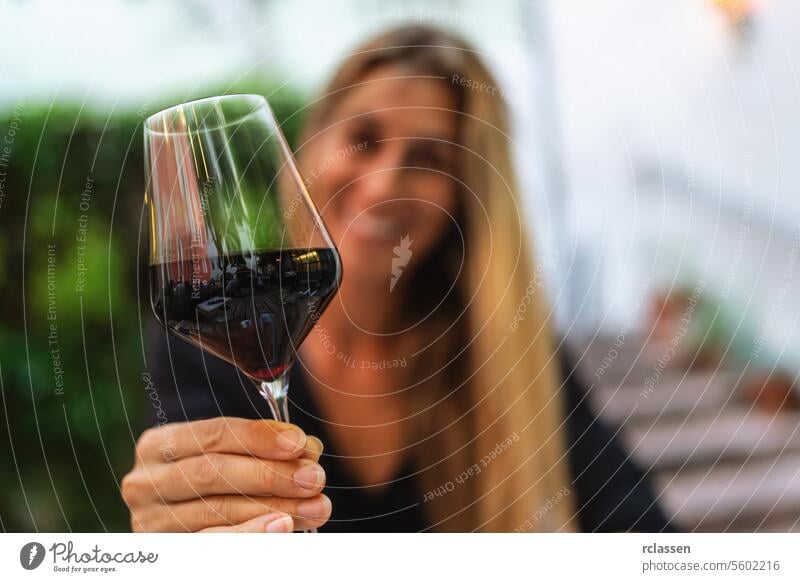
(155, 517)
(148, 440)
(214, 433)
(207, 470)
(256, 433)
(216, 510)
(266, 474)
(133, 488)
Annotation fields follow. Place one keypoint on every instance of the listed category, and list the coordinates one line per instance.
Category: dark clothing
(611, 493)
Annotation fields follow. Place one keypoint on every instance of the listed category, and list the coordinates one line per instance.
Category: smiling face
(384, 168)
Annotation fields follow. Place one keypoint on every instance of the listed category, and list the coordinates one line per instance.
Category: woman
(442, 405)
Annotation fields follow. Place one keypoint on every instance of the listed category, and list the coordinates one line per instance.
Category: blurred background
(657, 144)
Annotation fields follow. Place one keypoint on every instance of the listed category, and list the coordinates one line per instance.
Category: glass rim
(152, 121)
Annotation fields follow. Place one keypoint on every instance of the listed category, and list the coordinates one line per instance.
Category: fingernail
(315, 508)
(281, 525)
(313, 443)
(291, 440)
(309, 476)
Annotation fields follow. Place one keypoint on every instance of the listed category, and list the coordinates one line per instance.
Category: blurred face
(382, 171)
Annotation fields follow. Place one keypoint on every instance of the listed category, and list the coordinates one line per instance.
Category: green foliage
(75, 310)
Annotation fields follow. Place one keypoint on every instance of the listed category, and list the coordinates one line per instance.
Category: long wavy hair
(490, 445)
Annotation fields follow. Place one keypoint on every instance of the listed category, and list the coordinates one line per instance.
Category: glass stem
(276, 393)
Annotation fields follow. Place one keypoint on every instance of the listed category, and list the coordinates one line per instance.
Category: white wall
(674, 123)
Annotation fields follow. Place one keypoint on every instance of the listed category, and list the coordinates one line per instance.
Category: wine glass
(241, 264)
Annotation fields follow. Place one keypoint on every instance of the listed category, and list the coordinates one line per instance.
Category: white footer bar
(406, 558)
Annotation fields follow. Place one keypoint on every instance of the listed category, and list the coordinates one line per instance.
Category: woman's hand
(226, 474)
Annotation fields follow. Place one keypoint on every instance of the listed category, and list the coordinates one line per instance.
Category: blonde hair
(491, 449)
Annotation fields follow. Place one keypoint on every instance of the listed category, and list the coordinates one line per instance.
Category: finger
(219, 474)
(266, 439)
(271, 523)
(313, 449)
(229, 510)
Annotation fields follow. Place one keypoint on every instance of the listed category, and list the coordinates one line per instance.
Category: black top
(612, 494)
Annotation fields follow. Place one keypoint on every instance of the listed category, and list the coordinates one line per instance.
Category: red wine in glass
(251, 311)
